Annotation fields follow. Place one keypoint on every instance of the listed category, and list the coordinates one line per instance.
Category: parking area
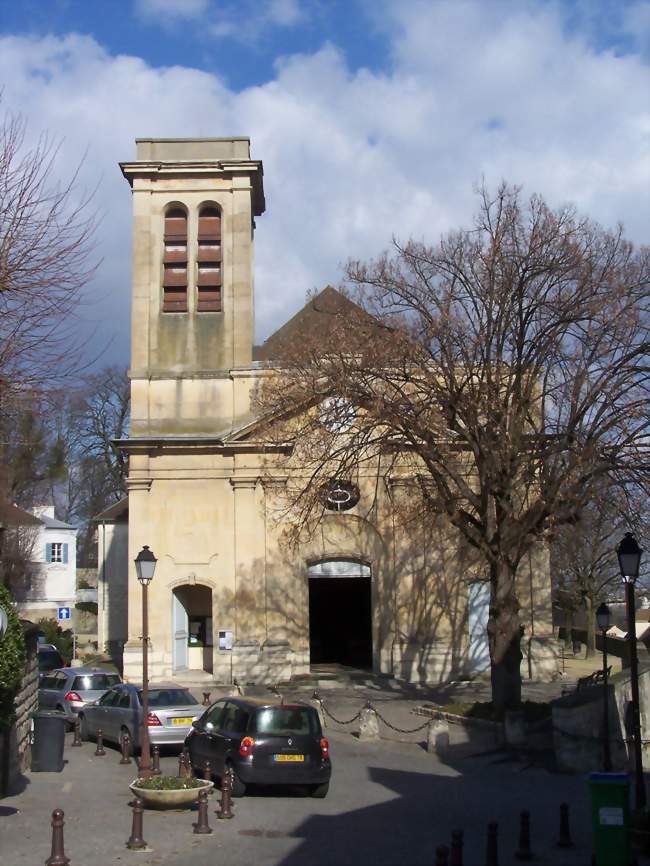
(390, 802)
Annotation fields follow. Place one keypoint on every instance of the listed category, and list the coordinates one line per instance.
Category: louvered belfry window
(175, 262)
(208, 257)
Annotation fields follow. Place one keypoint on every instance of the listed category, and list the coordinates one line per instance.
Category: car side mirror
(196, 724)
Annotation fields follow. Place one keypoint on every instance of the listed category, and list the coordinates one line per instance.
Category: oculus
(337, 414)
(339, 495)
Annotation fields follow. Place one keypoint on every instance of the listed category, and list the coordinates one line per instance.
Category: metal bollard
(491, 850)
(206, 699)
(225, 807)
(456, 854)
(181, 765)
(523, 852)
(77, 733)
(135, 841)
(202, 825)
(565, 840)
(124, 748)
(57, 857)
(100, 751)
(442, 855)
(155, 760)
(207, 771)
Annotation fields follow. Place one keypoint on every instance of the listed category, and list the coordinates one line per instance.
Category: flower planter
(174, 798)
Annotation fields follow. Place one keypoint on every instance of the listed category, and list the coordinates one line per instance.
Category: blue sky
(373, 119)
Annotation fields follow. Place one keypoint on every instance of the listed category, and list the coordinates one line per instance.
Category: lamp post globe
(629, 557)
(145, 566)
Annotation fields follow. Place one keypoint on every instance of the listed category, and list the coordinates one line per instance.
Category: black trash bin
(49, 738)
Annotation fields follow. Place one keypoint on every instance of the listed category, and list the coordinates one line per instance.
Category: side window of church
(56, 551)
(208, 258)
(175, 262)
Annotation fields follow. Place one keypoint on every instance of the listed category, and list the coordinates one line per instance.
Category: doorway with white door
(192, 633)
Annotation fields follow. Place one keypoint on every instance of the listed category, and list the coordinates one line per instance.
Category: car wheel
(238, 787)
(320, 791)
(84, 733)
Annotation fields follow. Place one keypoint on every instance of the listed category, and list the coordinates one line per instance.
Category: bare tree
(46, 233)
(506, 366)
(584, 563)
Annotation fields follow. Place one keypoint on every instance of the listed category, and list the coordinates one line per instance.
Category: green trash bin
(610, 815)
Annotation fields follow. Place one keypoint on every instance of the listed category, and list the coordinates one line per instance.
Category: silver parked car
(70, 689)
(172, 710)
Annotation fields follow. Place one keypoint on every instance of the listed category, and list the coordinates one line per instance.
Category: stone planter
(179, 798)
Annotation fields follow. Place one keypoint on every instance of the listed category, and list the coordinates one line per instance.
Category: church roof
(318, 316)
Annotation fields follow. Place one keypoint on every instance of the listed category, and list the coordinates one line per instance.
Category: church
(229, 600)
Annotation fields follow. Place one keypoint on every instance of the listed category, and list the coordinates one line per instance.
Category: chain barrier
(369, 706)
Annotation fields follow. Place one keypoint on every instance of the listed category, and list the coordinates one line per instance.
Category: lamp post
(145, 565)
(604, 619)
(629, 559)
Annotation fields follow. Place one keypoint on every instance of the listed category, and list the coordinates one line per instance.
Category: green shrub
(12, 660)
(54, 634)
(169, 783)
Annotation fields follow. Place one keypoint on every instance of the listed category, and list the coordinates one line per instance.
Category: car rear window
(94, 682)
(49, 659)
(169, 698)
(286, 720)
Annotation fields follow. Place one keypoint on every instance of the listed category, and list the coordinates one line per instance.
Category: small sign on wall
(225, 639)
(62, 613)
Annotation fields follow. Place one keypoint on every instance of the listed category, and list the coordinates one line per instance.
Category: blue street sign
(62, 613)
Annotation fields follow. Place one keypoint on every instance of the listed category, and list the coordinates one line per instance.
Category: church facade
(229, 599)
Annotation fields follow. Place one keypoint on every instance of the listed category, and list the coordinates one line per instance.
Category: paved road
(390, 803)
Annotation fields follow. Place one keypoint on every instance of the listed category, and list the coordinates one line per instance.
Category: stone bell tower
(194, 208)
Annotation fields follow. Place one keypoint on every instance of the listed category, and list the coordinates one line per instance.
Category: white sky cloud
(351, 159)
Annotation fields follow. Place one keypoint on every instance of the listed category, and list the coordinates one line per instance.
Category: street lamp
(145, 565)
(604, 619)
(629, 560)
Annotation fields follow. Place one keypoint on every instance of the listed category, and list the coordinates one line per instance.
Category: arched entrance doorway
(340, 613)
(192, 628)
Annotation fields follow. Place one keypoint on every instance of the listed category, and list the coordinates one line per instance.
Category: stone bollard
(317, 704)
(442, 855)
(124, 748)
(564, 840)
(492, 848)
(523, 852)
(57, 857)
(368, 724)
(225, 807)
(155, 760)
(77, 733)
(135, 842)
(202, 826)
(100, 751)
(437, 736)
(207, 771)
(206, 699)
(456, 854)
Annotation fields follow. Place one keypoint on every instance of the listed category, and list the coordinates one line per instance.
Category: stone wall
(15, 751)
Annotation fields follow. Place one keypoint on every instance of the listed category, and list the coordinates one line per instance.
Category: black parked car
(264, 743)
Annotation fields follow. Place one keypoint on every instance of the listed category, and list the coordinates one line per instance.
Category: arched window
(175, 262)
(208, 258)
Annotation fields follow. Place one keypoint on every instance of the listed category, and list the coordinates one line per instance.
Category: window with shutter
(175, 262)
(208, 258)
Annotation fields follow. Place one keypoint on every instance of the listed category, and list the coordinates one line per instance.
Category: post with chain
(456, 853)
(77, 733)
(57, 857)
(100, 751)
(155, 760)
(492, 849)
(207, 771)
(187, 763)
(124, 748)
(202, 826)
(225, 808)
(181, 766)
(135, 842)
(523, 852)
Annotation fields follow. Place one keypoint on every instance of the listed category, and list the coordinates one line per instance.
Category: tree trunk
(591, 627)
(568, 629)
(504, 632)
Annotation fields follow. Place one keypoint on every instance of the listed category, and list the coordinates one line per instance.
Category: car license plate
(182, 721)
(294, 759)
